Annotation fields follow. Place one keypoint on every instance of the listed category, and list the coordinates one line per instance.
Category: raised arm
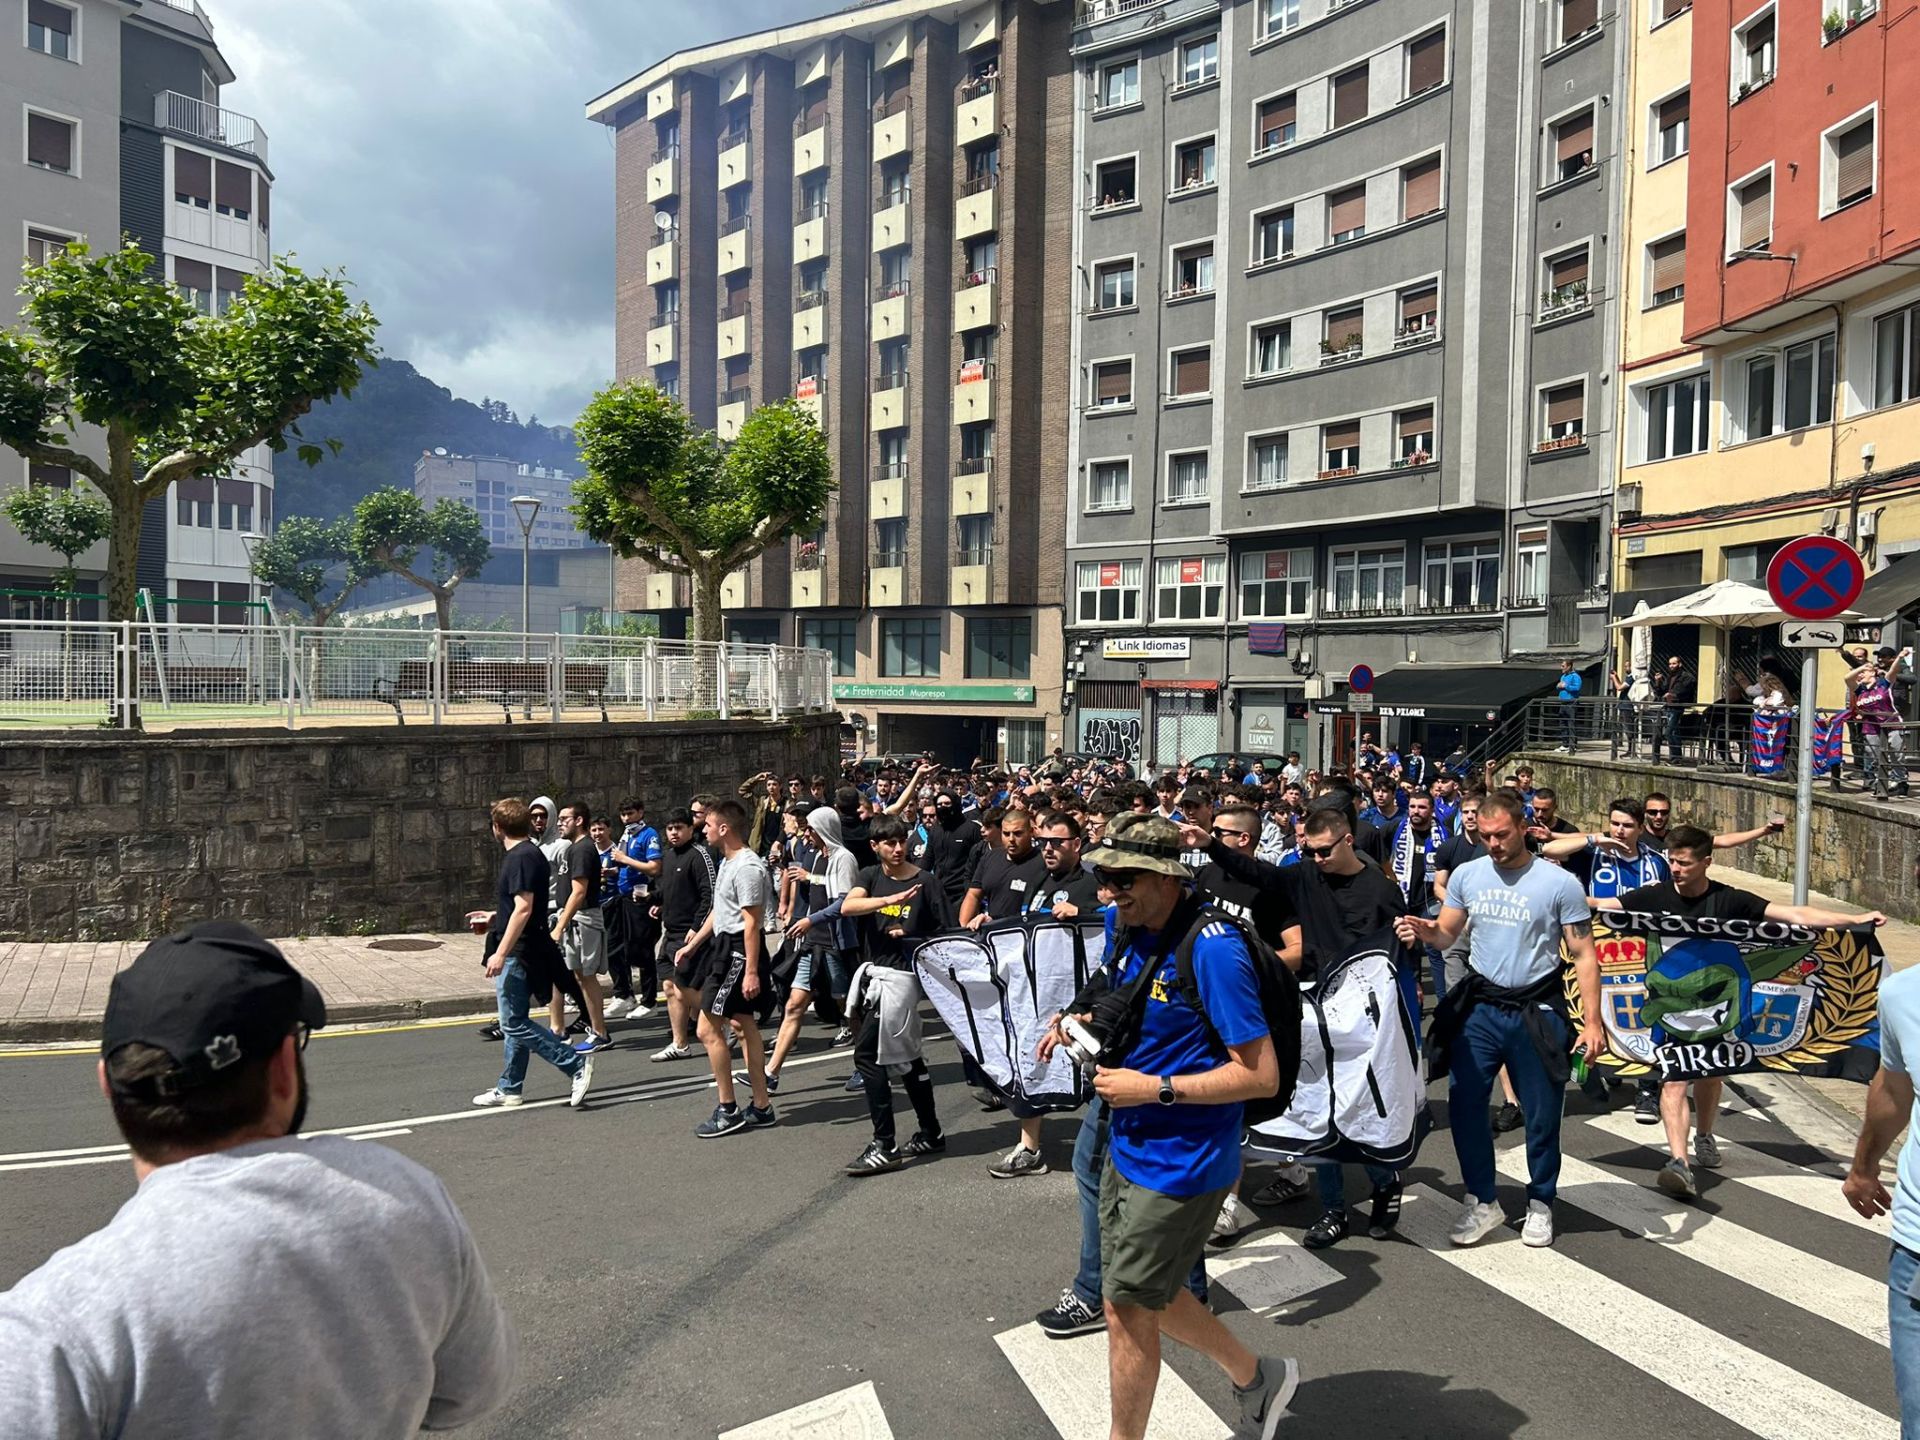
(1813, 915)
(1735, 838)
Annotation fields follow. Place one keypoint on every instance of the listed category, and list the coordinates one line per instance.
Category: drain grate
(403, 942)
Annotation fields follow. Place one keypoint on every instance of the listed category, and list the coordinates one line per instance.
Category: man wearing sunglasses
(1067, 888)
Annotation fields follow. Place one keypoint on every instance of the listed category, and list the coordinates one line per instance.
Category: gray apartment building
(874, 212)
(489, 484)
(1342, 340)
(111, 125)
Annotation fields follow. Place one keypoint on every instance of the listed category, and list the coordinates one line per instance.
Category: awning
(1890, 591)
(1457, 691)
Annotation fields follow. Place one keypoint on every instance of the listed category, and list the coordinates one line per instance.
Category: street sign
(1360, 702)
(1815, 577)
(1811, 634)
(1360, 679)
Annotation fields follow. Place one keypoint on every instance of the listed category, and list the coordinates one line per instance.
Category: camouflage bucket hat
(1140, 842)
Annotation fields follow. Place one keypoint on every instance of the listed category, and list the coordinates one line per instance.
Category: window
(1896, 356)
(1371, 580)
(1187, 479)
(236, 505)
(44, 245)
(1671, 9)
(1349, 97)
(194, 279)
(1273, 235)
(1754, 55)
(834, 636)
(1565, 276)
(983, 166)
(1573, 146)
(1000, 648)
(50, 143)
(896, 183)
(983, 257)
(1671, 125)
(1112, 383)
(50, 29)
(1752, 213)
(1192, 372)
(1666, 270)
(813, 198)
(1761, 396)
(232, 190)
(1340, 448)
(192, 179)
(1119, 85)
(1113, 283)
(1192, 270)
(227, 288)
(889, 544)
(1347, 213)
(1192, 587)
(1809, 368)
(1420, 188)
(1276, 584)
(1275, 122)
(1419, 312)
(1277, 17)
(1413, 431)
(1110, 485)
(1200, 61)
(1107, 591)
(1461, 575)
(893, 454)
(1677, 417)
(896, 272)
(1577, 17)
(1267, 462)
(1426, 62)
(976, 449)
(1530, 567)
(1345, 332)
(193, 502)
(1193, 165)
(973, 540)
(1113, 182)
(910, 646)
(1563, 415)
(49, 477)
(1272, 349)
(1846, 164)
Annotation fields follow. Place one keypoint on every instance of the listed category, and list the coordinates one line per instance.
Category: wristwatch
(1166, 1090)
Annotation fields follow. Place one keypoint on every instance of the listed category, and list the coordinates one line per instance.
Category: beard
(299, 1116)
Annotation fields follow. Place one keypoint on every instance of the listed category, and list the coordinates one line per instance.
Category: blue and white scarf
(1611, 877)
(1403, 842)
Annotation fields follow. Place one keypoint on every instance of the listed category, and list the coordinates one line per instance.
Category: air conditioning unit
(1829, 520)
(1869, 524)
(1627, 499)
(1318, 687)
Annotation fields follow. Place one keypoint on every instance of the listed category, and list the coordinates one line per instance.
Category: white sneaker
(676, 1052)
(619, 1008)
(1228, 1224)
(1478, 1219)
(582, 1083)
(1538, 1230)
(496, 1099)
(639, 1011)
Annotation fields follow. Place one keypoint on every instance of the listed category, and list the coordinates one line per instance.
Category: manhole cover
(403, 942)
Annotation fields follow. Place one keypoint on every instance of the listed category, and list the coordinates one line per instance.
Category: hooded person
(546, 835)
(951, 843)
(821, 935)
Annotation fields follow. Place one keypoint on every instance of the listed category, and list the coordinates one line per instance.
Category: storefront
(1272, 721)
(957, 724)
(1441, 706)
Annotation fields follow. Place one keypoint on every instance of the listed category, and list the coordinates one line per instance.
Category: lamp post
(525, 507)
(252, 540)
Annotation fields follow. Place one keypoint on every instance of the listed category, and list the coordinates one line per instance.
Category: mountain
(394, 414)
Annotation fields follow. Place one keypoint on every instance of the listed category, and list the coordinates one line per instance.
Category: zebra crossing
(1768, 1241)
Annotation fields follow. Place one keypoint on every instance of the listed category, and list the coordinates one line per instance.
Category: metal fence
(57, 673)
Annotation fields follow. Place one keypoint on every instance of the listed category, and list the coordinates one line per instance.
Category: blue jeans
(1493, 1037)
(1330, 1176)
(1903, 1318)
(1089, 1160)
(524, 1039)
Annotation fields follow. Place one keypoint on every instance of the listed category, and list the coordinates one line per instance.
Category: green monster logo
(1702, 990)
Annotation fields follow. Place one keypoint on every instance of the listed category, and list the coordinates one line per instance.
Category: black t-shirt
(926, 914)
(684, 887)
(853, 835)
(1369, 839)
(1368, 901)
(950, 853)
(524, 871)
(1077, 888)
(1266, 908)
(1458, 851)
(583, 863)
(1720, 902)
(1006, 885)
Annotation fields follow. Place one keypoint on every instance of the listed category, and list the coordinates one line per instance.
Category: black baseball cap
(210, 995)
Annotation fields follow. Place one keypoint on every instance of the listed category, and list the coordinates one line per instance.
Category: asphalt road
(668, 1286)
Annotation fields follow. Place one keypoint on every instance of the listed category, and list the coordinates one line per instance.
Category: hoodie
(835, 872)
(555, 849)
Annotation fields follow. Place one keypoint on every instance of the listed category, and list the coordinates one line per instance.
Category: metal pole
(1803, 814)
(526, 600)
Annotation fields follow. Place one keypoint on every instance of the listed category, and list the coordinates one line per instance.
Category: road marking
(1068, 1379)
(1269, 1270)
(379, 1134)
(852, 1414)
(1820, 1287)
(1751, 1389)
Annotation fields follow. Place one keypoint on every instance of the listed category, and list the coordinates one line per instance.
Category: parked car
(1216, 764)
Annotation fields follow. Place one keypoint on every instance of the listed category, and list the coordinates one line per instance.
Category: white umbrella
(1641, 656)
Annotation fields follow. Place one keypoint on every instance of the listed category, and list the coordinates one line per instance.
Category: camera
(1082, 1043)
(1108, 1033)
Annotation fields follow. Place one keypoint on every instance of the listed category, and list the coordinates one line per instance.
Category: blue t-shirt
(641, 842)
(1608, 876)
(1516, 917)
(1186, 1150)
(1900, 1032)
(1570, 685)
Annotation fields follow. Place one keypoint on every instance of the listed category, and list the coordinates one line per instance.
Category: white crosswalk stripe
(1068, 1379)
(1751, 1389)
(1833, 1292)
(1268, 1270)
(852, 1414)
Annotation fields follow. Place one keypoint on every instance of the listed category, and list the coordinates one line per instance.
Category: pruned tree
(313, 561)
(177, 394)
(390, 528)
(661, 489)
(68, 522)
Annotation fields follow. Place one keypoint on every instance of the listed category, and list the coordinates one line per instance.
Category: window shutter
(1113, 382)
(229, 282)
(1671, 8)
(1674, 111)
(1348, 210)
(1568, 269)
(236, 492)
(1566, 403)
(1670, 263)
(1577, 17)
(1350, 97)
(1853, 162)
(1344, 436)
(194, 274)
(1756, 214)
(265, 189)
(1420, 188)
(1343, 327)
(1192, 372)
(233, 186)
(1277, 114)
(50, 142)
(1415, 423)
(197, 487)
(193, 174)
(1418, 304)
(1576, 137)
(1426, 62)
(53, 17)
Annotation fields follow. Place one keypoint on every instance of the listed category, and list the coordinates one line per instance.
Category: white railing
(87, 673)
(196, 119)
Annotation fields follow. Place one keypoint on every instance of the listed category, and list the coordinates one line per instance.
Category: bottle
(1580, 1070)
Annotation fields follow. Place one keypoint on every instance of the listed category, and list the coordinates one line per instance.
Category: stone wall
(1863, 853)
(106, 837)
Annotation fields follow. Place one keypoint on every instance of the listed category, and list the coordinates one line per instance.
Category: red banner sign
(1190, 571)
(1109, 574)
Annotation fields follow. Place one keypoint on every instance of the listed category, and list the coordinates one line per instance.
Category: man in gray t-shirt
(1511, 1009)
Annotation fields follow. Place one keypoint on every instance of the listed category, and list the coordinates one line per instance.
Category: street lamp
(525, 507)
(252, 540)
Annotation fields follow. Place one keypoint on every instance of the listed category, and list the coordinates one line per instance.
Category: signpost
(1360, 679)
(1813, 579)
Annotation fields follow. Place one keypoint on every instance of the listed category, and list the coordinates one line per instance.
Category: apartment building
(111, 125)
(873, 212)
(489, 484)
(1343, 340)
(1772, 359)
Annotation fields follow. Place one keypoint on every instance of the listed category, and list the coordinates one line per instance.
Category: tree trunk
(442, 608)
(123, 555)
(709, 622)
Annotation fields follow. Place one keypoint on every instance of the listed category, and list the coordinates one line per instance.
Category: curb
(364, 1012)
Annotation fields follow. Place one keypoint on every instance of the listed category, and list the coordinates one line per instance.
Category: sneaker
(1646, 1107)
(1538, 1229)
(1478, 1219)
(618, 1008)
(1384, 1213)
(986, 1099)
(491, 1032)
(1706, 1151)
(1282, 1191)
(582, 1082)
(1508, 1117)
(1264, 1402)
(855, 1084)
(1329, 1229)
(842, 1036)
(1230, 1222)
(675, 1052)
(921, 1144)
(760, 1117)
(593, 1043)
(578, 1027)
(1070, 1316)
(724, 1121)
(1676, 1178)
(497, 1098)
(639, 1011)
(1018, 1163)
(876, 1159)
(740, 1077)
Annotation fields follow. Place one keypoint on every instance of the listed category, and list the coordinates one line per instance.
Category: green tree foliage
(176, 394)
(67, 522)
(391, 527)
(661, 489)
(313, 561)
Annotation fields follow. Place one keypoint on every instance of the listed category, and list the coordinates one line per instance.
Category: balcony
(810, 234)
(732, 338)
(662, 259)
(1341, 472)
(887, 499)
(733, 591)
(892, 127)
(1332, 354)
(1098, 24)
(805, 591)
(972, 489)
(1356, 608)
(890, 310)
(809, 319)
(889, 406)
(893, 223)
(1559, 442)
(973, 393)
(976, 213)
(887, 577)
(661, 348)
(970, 580)
(809, 392)
(978, 117)
(662, 98)
(661, 181)
(734, 254)
(810, 148)
(736, 160)
(662, 593)
(973, 300)
(1567, 300)
(734, 405)
(1412, 337)
(194, 119)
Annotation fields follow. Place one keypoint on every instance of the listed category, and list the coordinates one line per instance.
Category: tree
(310, 559)
(391, 527)
(662, 489)
(68, 522)
(177, 393)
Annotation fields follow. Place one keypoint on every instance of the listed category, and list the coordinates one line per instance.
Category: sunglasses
(302, 1032)
(1118, 880)
(1322, 852)
(1224, 832)
(1054, 842)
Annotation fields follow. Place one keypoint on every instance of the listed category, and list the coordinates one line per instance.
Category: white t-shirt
(742, 882)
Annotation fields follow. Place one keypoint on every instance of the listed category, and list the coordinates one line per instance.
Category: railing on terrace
(197, 120)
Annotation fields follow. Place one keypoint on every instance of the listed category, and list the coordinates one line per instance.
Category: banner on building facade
(1146, 647)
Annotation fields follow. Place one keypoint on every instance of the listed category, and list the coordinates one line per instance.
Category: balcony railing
(1338, 472)
(892, 105)
(977, 183)
(808, 556)
(197, 120)
(972, 371)
(1188, 290)
(974, 465)
(665, 317)
(891, 470)
(1331, 354)
(1487, 606)
(736, 224)
(969, 279)
(1352, 609)
(807, 299)
(1407, 337)
(1412, 461)
(889, 380)
(1560, 442)
(973, 555)
(807, 124)
(735, 137)
(191, 7)
(1092, 12)
(739, 395)
(1565, 300)
(892, 290)
(1115, 200)
(1563, 620)
(736, 310)
(892, 557)
(892, 199)
(979, 85)
(809, 210)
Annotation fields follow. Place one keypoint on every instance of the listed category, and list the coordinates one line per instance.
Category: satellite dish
(440, 450)
(662, 220)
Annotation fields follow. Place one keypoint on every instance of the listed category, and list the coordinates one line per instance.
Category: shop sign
(1111, 732)
(1147, 647)
(912, 691)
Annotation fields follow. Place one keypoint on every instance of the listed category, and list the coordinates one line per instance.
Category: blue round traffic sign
(1815, 577)
(1360, 679)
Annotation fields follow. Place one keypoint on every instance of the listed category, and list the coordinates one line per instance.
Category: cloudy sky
(437, 150)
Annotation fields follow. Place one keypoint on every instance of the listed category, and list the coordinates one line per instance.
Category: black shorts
(723, 968)
(686, 976)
